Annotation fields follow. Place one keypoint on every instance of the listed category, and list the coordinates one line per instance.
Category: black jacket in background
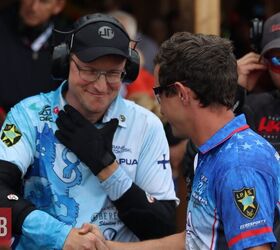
(262, 112)
(21, 75)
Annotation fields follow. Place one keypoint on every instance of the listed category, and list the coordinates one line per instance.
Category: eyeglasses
(160, 89)
(92, 75)
(273, 63)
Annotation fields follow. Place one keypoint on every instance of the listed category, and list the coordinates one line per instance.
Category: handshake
(86, 237)
(93, 146)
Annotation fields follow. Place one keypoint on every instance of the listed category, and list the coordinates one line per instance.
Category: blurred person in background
(25, 48)
(143, 85)
(262, 109)
(149, 49)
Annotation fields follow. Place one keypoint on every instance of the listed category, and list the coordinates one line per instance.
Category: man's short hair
(205, 62)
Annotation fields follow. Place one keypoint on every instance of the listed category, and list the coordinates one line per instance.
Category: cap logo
(106, 32)
(275, 27)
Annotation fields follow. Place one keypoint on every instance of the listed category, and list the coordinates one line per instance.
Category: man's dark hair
(205, 62)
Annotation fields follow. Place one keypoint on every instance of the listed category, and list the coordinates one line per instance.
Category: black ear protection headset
(256, 32)
(61, 52)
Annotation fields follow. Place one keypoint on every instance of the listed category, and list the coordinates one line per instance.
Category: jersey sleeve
(42, 231)
(17, 144)
(154, 174)
(246, 199)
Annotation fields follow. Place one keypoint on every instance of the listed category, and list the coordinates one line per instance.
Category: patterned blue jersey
(235, 191)
(63, 188)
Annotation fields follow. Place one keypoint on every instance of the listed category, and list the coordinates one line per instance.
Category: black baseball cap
(100, 38)
(271, 34)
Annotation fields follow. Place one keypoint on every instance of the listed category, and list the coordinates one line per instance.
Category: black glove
(93, 146)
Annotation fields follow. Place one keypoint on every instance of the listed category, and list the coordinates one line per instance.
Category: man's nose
(101, 82)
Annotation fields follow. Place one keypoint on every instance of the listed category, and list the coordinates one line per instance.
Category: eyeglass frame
(99, 73)
(160, 89)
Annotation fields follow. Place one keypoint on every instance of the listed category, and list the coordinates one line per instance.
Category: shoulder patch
(10, 135)
(245, 200)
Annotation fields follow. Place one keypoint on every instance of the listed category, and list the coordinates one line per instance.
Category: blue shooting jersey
(63, 189)
(235, 194)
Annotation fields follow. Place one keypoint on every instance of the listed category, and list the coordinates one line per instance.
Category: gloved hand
(92, 146)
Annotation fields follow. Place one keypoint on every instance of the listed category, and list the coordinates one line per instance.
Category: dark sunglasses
(273, 63)
(160, 89)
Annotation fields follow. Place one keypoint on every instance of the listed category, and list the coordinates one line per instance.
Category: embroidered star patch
(245, 200)
(10, 135)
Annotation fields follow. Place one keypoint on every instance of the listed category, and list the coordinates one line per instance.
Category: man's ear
(183, 92)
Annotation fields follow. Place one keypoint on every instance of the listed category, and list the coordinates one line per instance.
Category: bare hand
(91, 228)
(77, 240)
(250, 68)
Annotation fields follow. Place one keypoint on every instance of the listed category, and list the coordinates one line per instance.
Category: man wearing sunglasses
(83, 154)
(235, 196)
(235, 192)
(262, 109)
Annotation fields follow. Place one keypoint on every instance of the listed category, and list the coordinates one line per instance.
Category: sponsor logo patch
(198, 195)
(10, 135)
(106, 32)
(120, 149)
(164, 162)
(45, 114)
(245, 200)
(128, 161)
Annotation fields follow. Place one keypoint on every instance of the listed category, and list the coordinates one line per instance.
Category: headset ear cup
(256, 31)
(132, 67)
(60, 62)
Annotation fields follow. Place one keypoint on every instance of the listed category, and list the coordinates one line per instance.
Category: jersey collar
(234, 126)
(117, 110)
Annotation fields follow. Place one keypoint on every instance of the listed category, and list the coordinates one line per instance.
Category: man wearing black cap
(262, 110)
(94, 157)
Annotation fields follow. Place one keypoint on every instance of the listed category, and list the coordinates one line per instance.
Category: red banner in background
(5, 227)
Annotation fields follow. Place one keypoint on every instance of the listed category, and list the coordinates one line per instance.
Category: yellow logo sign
(10, 135)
